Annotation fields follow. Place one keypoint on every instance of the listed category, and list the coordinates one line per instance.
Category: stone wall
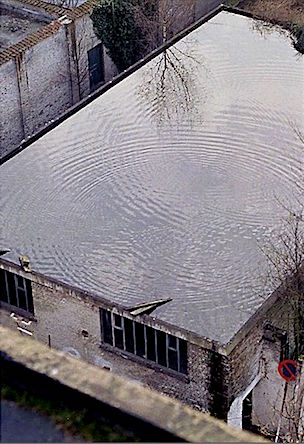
(44, 75)
(33, 369)
(47, 72)
(36, 90)
(68, 320)
(255, 356)
(11, 123)
(44, 81)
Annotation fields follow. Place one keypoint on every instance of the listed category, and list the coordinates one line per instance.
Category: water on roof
(165, 185)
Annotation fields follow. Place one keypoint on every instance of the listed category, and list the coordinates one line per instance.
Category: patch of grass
(76, 422)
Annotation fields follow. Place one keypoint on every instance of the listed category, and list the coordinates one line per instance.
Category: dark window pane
(161, 348)
(30, 304)
(105, 318)
(20, 281)
(172, 359)
(118, 335)
(172, 341)
(3, 295)
(140, 339)
(11, 289)
(22, 299)
(129, 335)
(183, 356)
(150, 343)
(117, 320)
(96, 67)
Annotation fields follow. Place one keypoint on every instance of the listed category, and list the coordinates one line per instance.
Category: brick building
(125, 274)
(50, 59)
(51, 63)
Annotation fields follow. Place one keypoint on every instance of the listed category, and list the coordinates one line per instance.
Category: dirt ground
(285, 12)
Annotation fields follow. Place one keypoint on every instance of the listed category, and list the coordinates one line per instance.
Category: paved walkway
(22, 425)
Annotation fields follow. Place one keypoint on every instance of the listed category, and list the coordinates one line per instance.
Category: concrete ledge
(148, 410)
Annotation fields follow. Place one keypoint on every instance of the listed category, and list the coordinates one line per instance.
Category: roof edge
(123, 75)
(51, 282)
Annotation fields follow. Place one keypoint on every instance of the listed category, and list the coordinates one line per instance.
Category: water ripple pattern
(166, 184)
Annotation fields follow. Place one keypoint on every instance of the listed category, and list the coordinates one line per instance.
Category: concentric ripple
(167, 183)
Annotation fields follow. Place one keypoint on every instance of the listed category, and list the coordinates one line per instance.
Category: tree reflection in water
(174, 86)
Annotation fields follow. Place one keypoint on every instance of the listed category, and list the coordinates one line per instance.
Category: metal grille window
(141, 340)
(16, 290)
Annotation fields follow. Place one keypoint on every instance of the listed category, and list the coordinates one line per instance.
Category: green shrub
(114, 24)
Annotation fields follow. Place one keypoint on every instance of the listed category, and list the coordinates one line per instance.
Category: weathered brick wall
(11, 125)
(258, 352)
(61, 315)
(45, 82)
(40, 81)
(36, 88)
(214, 380)
(247, 359)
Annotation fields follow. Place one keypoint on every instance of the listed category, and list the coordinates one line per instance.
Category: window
(96, 66)
(141, 340)
(16, 290)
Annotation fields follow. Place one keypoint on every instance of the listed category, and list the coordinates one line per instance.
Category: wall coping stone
(116, 392)
(47, 30)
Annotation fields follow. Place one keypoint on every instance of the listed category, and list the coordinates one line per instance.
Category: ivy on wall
(115, 25)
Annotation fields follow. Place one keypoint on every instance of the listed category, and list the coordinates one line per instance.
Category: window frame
(99, 48)
(181, 369)
(26, 288)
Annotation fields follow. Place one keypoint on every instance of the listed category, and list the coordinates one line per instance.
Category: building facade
(48, 70)
(238, 382)
(235, 379)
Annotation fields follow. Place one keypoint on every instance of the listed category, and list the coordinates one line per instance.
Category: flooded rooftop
(167, 184)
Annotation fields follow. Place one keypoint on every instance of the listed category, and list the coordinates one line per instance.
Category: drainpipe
(234, 418)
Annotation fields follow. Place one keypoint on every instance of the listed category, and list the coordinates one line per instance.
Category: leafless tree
(84, 40)
(285, 255)
(162, 19)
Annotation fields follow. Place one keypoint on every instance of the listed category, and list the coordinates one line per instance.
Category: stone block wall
(44, 75)
(251, 342)
(255, 356)
(68, 320)
(11, 123)
(36, 87)
(44, 81)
